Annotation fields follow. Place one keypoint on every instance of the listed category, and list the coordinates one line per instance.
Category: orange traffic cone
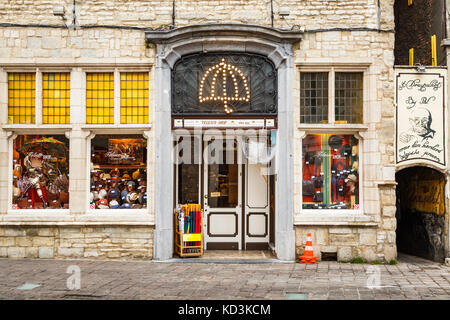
(308, 256)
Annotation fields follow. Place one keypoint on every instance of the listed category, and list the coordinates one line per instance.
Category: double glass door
(234, 192)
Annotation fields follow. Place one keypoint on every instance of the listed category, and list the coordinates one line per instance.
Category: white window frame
(344, 216)
(11, 138)
(38, 71)
(88, 175)
(337, 212)
(117, 71)
(63, 216)
(332, 70)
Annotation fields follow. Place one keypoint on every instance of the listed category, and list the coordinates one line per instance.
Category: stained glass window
(134, 97)
(21, 97)
(100, 98)
(56, 98)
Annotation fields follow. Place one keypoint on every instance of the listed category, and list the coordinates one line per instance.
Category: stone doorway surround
(171, 45)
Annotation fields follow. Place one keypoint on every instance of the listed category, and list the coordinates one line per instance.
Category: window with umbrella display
(118, 172)
(40, 172)
(330, 172)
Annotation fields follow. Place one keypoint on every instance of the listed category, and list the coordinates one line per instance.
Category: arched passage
(421, 212)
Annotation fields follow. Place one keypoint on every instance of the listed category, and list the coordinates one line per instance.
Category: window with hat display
(118, 172)
(330, 172)
(40, 172)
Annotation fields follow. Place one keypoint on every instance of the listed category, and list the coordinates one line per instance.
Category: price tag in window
(357, 206)
(92, 206)
(15, 206)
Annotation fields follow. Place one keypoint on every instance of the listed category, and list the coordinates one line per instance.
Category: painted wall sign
(420, 117)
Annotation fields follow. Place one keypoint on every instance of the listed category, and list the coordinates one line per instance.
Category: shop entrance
(421, 212)
(235, 191)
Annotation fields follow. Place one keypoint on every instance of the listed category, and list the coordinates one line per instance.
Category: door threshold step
(223, 261)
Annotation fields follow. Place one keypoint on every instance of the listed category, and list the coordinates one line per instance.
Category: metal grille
(100, 98)
(314, 97)
(55, 98)
(134, 97)
(348, 97)
(248, 87)
(21, 97)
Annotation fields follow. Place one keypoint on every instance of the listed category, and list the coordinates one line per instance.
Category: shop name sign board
(420, 116)
(224, 123)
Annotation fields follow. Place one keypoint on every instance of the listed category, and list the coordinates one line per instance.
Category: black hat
(335, 142)
(346, 150)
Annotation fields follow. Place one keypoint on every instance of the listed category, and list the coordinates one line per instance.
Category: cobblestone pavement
(412, 278)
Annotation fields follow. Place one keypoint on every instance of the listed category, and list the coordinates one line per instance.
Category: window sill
(63, 218)
(42, 127)
(105, 126)
(323, 217)
(320, 127)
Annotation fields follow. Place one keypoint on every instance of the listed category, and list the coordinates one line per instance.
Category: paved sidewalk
(412, 278)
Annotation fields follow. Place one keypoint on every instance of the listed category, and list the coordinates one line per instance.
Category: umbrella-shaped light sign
(220, 73)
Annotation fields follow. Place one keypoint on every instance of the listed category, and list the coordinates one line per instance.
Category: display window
(118, 172)
(330, 172)
(40, 172)
(21, 98)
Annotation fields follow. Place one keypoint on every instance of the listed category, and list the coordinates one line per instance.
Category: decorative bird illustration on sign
(221, 73)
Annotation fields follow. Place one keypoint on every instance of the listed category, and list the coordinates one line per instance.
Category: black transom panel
(224, 84)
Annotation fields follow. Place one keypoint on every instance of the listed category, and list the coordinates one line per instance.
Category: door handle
(206, 196)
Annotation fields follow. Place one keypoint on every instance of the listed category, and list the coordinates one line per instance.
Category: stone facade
(111, 35)
(105, 242)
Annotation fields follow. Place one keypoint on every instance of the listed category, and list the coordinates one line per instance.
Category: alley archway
(421, 212)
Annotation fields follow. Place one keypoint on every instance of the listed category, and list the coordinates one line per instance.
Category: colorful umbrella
(45, 145)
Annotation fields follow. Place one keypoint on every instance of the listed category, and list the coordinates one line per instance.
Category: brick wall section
(414, 27)
(106, 242)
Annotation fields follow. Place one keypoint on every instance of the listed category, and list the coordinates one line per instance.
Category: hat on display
(140, 188)
(352, 177)
(113, 204)
(105, 176)
(126, 205)
(335, 142)
(113, 193)
(126, 176)
(99, 184)
(123, 195)
(136, 174)
(114, 173)
(346, 150)
(95, 194)
(102, 194)
(143, 198)
(136, 206)
(102, 204)
(91, 197)
(132, 197)
(131, 183)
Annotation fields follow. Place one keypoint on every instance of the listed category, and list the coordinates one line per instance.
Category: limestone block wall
(64, 242)
(69, 45)
(311, 14)
(346, 242)
(369, 234)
